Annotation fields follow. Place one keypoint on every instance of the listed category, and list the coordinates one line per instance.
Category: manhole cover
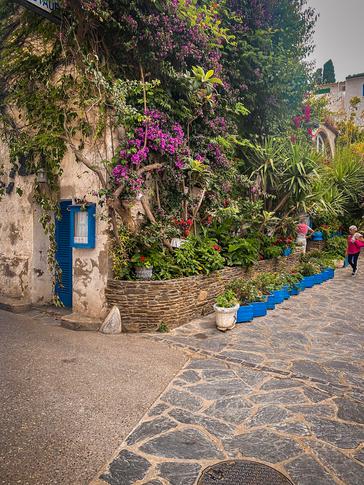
(241, 472)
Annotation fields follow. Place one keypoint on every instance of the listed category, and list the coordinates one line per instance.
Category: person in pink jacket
(355, 243)
(302, 229)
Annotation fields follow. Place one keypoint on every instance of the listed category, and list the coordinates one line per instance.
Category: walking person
(355, 243)
(302, 230)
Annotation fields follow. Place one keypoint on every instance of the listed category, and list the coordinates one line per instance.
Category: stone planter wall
(144, 305)
(313, 245)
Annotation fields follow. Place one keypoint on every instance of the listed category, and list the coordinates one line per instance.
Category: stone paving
(285, 390)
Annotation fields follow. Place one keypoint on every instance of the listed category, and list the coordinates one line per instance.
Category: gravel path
(285, 390)
(68, 398)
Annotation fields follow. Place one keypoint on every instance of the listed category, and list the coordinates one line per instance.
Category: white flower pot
(143, 273)
(225, 317)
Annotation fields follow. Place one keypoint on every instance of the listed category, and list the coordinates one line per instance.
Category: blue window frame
(83, 226)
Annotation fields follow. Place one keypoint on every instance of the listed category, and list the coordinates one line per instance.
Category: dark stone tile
(217, 374)
(188, 444)
(342, 365)
(315, 395)
(232, 410)
(126, 469)
(252, 377)
(206, 364)
(154, 482)
(264, 445)
(149, 429)
(182, 399)
(179, 473)
(282, 397)
(158, 409)
(294, 428)
(349, 410)
(214, 426)
(304, 470)
(243, 356)
(307, 368)
(310, 410)
(215, 390)
(268, 414)
(347, 469)
(283, 383)
(359, 455)
(189, 376)
(340, 434)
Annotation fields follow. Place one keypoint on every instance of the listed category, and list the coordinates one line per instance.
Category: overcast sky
(340, 35)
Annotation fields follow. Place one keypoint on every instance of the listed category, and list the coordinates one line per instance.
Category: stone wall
(144, 305)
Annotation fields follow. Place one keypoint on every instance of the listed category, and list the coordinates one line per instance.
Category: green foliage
(308, 269)
(246, 291)
(163, 328)
(227, 300)
(266, 282)
(242, 252)
(336, 246)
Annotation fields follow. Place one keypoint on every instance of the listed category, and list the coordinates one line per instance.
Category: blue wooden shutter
(64, 254)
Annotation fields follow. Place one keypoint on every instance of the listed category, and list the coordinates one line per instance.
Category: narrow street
(285, 390)
(69, 398)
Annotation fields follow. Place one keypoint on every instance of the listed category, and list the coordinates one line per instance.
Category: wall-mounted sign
(45, 8)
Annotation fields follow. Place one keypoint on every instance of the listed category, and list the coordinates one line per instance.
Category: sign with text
(45, 8)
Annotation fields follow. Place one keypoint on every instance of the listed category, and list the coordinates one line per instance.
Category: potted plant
(226, 308)
(308, 271)
(266, 283)
(243, 291)
(293, 281)
(142, 266)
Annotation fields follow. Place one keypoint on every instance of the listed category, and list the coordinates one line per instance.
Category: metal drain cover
(242, 472)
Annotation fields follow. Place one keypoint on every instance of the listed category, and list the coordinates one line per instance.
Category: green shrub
(246, 291)
(272, 252)
(227, 300)
(336, 246)
(309, 269)
(241, 252)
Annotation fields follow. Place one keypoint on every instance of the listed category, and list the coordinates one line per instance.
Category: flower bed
(145, 305)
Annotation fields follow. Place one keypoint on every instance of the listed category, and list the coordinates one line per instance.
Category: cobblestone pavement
(285, 390)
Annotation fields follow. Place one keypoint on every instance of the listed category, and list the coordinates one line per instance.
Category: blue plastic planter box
(301, 285)
(278, 296)
(245, 314)
(287, 251)
(324, 276)
(271, 302)
(317, 279)
(309, 281)
(259, 308)
(286, 292)
(294, 291)
(317, 236)
(330, 273)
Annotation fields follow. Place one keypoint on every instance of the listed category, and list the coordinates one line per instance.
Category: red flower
(142, 259)
(216, 247)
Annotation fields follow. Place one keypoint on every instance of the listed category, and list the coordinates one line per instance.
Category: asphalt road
(67, 399)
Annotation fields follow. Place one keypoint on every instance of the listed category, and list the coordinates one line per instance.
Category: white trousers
(301, 241)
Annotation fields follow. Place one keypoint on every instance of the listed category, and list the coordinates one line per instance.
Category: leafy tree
(328, 75)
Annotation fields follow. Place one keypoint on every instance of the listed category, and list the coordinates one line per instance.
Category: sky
(340, 35)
